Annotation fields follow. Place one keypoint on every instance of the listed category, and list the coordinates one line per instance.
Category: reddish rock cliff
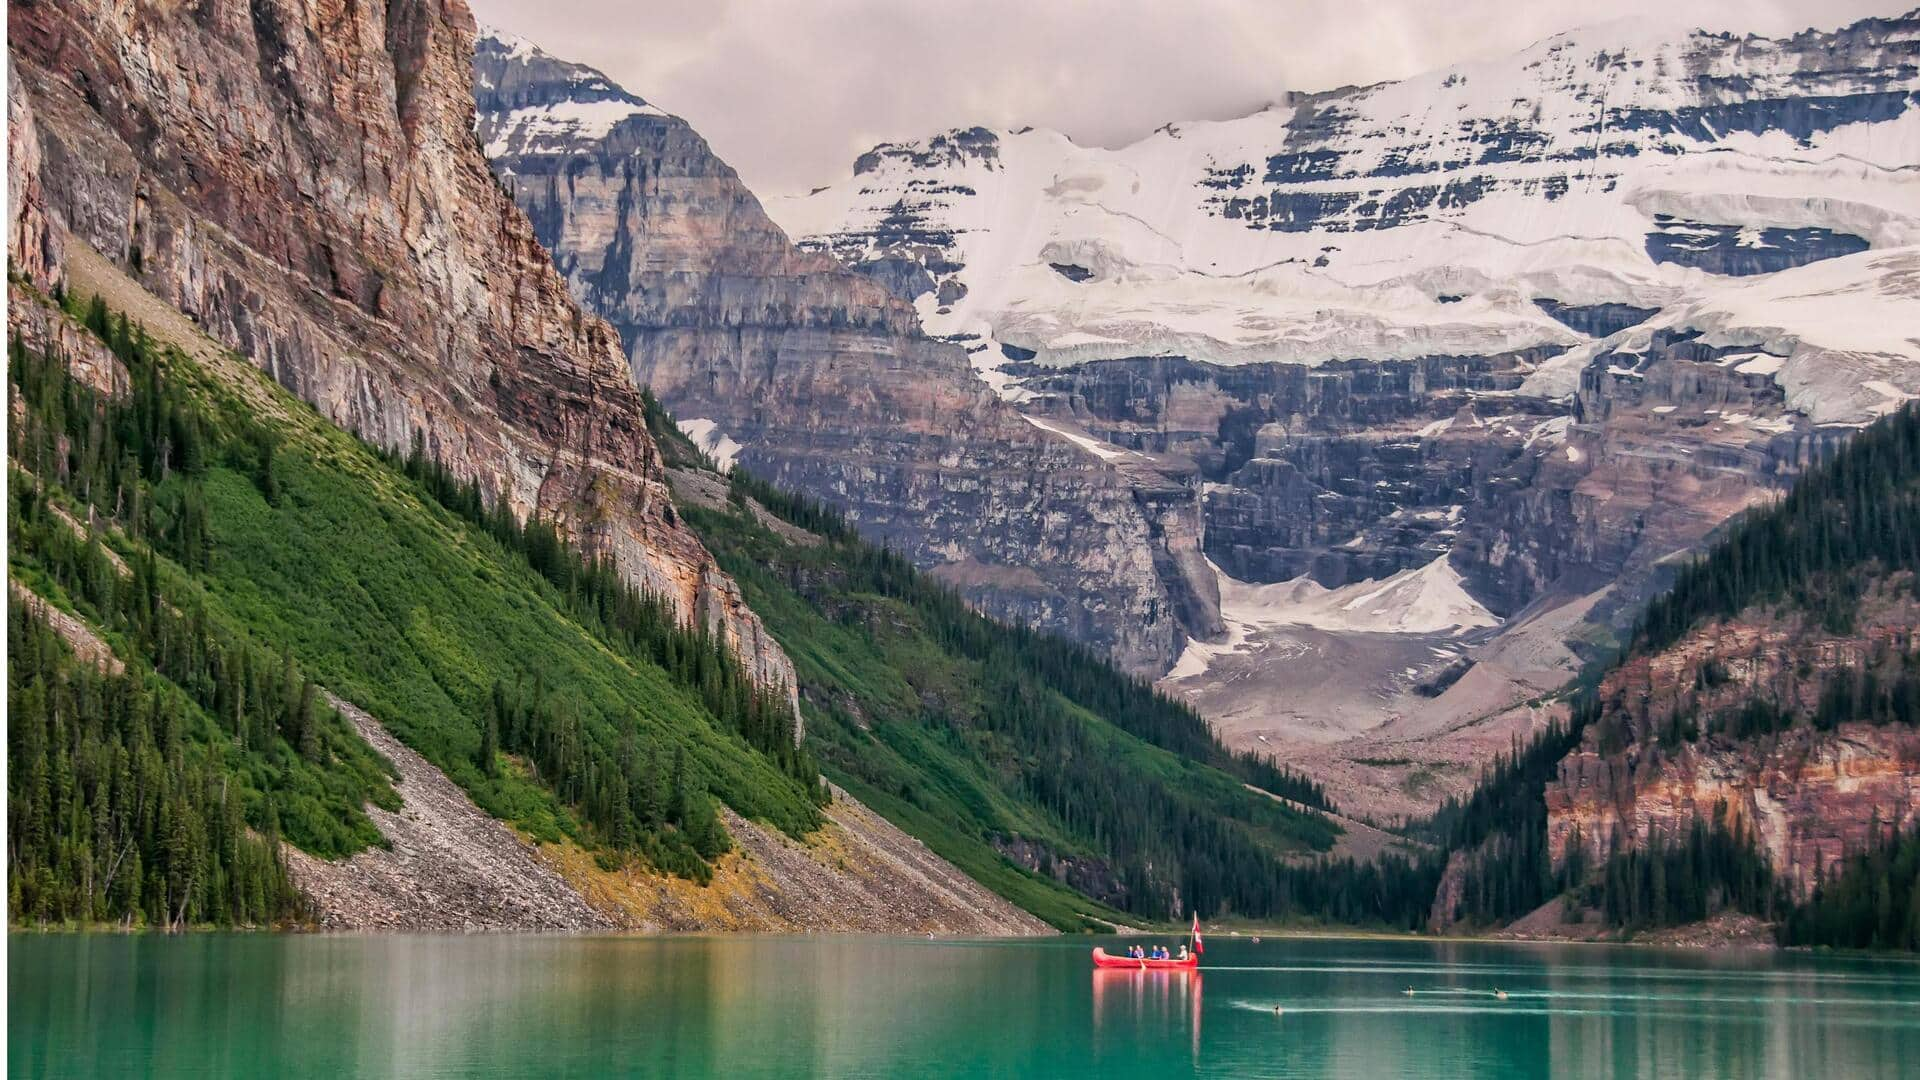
(1808, 796)
(32, 246)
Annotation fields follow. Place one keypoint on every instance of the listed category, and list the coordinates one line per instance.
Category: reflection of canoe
(1102, 959)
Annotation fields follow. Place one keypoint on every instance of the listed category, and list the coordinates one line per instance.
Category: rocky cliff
(32, 244)
(820, 379)
(1673, 745)
(300, 178)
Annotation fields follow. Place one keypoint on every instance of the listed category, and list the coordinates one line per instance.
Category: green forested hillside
(299, 558)
(263, 545)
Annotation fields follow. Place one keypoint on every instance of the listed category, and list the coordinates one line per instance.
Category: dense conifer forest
(1870, 900)
(129, 803)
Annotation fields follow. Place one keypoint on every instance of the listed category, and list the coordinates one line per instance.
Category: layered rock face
(300, 178)
(1345, 471)
(32, 244)
(1808, 796)
(821, 377)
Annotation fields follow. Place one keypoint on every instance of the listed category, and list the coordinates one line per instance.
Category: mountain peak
(530, 101)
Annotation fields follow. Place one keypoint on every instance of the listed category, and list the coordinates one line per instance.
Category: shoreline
(115, 930)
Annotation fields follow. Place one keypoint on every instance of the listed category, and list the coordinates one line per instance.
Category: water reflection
(1160, 1006)
(250, 1006)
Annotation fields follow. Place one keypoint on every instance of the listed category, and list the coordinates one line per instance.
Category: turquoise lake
(325, 1006)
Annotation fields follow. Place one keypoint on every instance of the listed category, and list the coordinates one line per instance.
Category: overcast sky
(790, 91)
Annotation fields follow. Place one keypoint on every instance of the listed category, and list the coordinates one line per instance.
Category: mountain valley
(444, 497)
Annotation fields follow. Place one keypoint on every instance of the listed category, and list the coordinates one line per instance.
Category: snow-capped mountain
(819, 379)
(1553, 316)
(1623, 165)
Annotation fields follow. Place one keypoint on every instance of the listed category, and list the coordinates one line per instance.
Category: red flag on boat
(1197, 947)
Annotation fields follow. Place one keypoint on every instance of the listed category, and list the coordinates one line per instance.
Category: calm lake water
(325, 1006)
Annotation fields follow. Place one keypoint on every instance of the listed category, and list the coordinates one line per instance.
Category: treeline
(642, 624)
(1132, 704)
(1263, 772)
(1393, 891)
(1870, 900)
(1861, 506)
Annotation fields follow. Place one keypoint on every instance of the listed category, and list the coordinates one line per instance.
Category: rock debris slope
(449, 866)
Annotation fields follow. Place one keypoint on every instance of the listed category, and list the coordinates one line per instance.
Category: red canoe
(1134, 963)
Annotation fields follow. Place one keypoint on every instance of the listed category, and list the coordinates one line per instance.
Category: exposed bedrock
(1738, 252)
(1595, 320)
(1807, 797)
(1360, 469)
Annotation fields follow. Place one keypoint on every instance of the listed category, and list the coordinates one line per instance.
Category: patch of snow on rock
(1091, 445)
(1423, 600)
(712, 442)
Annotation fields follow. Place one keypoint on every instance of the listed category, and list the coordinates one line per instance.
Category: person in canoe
(1154, 957)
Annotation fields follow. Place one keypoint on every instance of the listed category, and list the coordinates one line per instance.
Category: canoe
(1102, 959)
